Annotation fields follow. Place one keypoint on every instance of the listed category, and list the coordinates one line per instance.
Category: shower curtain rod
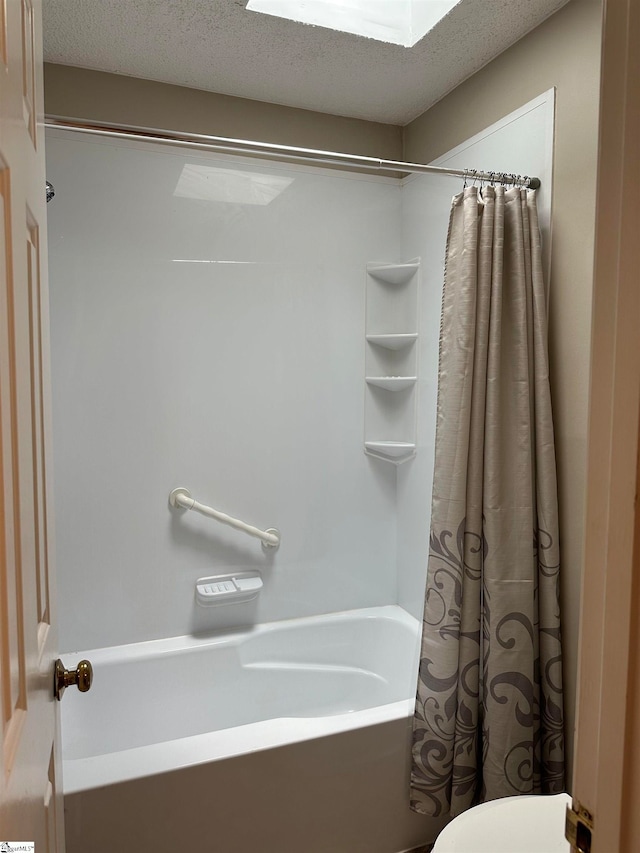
(283, 152)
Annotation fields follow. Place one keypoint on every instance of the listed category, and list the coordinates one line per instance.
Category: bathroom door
(30, 793)
(606, 778)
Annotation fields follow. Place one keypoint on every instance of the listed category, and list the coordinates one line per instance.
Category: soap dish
(231, 588)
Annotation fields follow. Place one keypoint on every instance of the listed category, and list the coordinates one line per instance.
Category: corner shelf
(394, 273)
(394, 342)
(393, 451)
(392, 383)
(391, 360)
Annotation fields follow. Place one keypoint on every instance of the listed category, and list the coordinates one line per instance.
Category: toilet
(527, 824)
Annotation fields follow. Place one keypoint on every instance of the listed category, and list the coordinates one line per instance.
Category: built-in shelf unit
(391, 360)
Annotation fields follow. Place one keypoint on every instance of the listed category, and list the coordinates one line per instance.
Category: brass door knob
(81, 676)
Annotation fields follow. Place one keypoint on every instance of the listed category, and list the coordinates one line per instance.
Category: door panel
(13, 651)
(41, 563)
(29, 68)
(30, 802)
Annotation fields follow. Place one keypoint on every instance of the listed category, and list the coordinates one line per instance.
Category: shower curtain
(489, 712)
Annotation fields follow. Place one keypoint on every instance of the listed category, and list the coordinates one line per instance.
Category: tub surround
(207, 330)
(208, 317)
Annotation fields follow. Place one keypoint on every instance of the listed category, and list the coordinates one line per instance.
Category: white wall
(240, 378)
(522, 143)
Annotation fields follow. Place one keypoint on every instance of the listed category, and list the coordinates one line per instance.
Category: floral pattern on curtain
(489, 709)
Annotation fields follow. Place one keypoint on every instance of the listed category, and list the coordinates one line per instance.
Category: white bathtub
(292, 736)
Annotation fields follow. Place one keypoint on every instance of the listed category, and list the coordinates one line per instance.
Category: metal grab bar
(182, 498)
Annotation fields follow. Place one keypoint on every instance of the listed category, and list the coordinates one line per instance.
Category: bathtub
(291, 737)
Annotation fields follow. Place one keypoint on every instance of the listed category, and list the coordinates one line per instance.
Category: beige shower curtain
(489, 711)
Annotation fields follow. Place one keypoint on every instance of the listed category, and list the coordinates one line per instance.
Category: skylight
(402, 22)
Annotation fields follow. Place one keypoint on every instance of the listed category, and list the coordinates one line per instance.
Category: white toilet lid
(527, 824)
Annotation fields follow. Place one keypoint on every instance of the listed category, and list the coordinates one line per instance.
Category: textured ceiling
(218, 45)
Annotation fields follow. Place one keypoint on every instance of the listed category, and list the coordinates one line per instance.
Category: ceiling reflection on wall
(232, 186)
